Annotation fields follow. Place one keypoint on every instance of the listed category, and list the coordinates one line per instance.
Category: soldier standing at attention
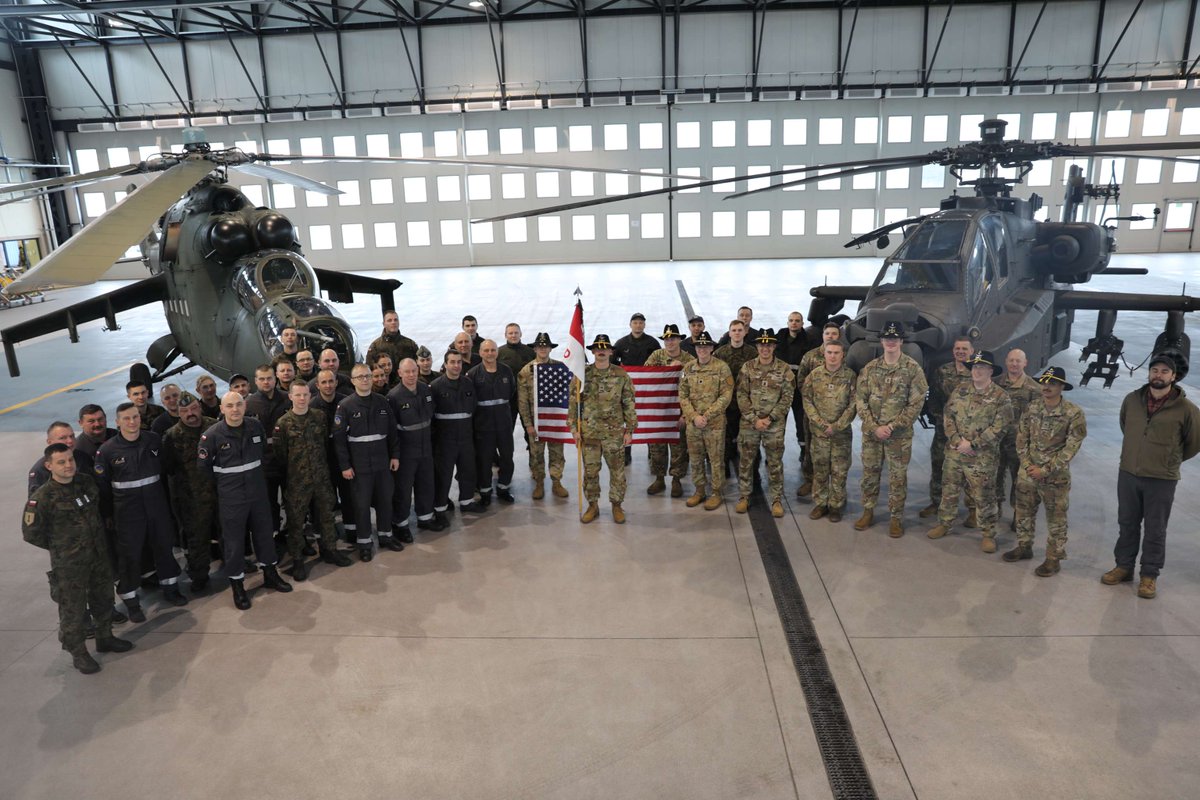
(1022, 390)
(891, 390)
(232, 453)
(412, 406)
(326, 400)
(632, 350)
(453, 438)
(493, 422)
(365, 438)
(538, 448)
(705, 391)
(63, 517)
(1161, 430)
(946, 379)
(267, 405)
(300, 449)
(812, 359)
(764, 395)
(669, 355)
(794, 344)
(192, 494)
(129, 472)
(609, 420)
(735, 354)
(392, 341)
(975, 418)
(1048, 437)
(829, 394)
(57, 433)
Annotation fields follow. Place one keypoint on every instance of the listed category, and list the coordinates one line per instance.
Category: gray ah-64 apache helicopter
(982, 266)
(230, 276)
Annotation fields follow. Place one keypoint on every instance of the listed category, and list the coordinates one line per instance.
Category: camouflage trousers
(1056, 496)
(679, 458)
(831, 464)
(197, 525)
(1007, 464)
(977, 476)
(898, 452)
(298, 497)
(937, 457)
(708, 442)
(83, 582)
(612, 452)
(803, 438)
(772, 442)
(537, 459)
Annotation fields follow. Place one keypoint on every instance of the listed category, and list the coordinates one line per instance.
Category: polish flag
(573, 355)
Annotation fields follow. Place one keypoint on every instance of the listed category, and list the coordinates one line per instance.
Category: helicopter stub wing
(1125, 301)
(88, 254)
(342, 286)
(105, 306)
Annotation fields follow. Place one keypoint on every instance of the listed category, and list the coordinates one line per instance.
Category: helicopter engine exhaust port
(1070, 252)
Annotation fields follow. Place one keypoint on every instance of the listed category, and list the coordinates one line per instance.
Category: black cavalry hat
(985, 358)
(703, 339)
(543, 340)
(766, 336)
(669, 331)
(602, 342)
(892, 329)
(1055, 374)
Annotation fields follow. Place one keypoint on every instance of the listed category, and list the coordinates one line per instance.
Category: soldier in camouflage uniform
(891, 390)
(670, 354)
(812, 359)
(764, 395)
(705, 391)
(736, 353)
(1022, 390)
(607, 426)
(975, 419)
(299, 448)
(1048, 437)
(193, 496)
(526, 404)
(63, 516)
(829, 395)
(946, 379)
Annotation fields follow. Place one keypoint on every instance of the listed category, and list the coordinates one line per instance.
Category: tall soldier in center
(538, 448)
(493, 423)
(671, 354)
(705, 391)
(764, 395)
(828, 393)
(608, 421)
(364, 435)
(453, 438)
(412, 405)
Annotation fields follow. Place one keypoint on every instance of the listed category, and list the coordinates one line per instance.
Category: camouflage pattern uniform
(829, 402)
(299, 448)
(736, 358)
(64, 518)
(608, 414)
(889, 395)
(706, 390)
(193, 496)
(981, 418)
(679, 450)
(945, 380)
(808, 362)
(1020, 393)
(538, 448)
(764, 391)
(1048, 438)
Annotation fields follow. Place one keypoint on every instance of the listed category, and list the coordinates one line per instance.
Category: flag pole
(579, 444)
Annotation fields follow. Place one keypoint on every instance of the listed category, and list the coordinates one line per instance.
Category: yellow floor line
(68, 388)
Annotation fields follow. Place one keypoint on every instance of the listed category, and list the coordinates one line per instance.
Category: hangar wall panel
(541, 57)
(626, 53)
(218, 82)
(377, 69)
(714, 51)
(974, 46)
(72, 98)
(901, 57)
(296, 72)
(459, 62)
(141, 86)
(799, 47)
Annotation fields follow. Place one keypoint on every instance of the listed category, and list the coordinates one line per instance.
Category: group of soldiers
(312, 453)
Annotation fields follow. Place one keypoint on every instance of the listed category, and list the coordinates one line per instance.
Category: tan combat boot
(618, 514)
(713, 502)
(676, 488)
(866, 520)
(972, 520)
(896, 528)
(1047, 568)
(1147, 587)
(988, 544)
(539, 490)
(695, 499)
(777, 509)
(557, 488)
(804, 489)
(938, 532)
(590, 514)
(816, 513)
(658, 486)
(743, 505)
(928, 511)
(1116, 575)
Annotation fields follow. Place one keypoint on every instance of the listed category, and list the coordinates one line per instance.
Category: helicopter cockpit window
(935, 240)
(282, 275)
(308, 307)
(246, 286)
(269, 328)
(993, 228)
(928, 260)
(978, 274)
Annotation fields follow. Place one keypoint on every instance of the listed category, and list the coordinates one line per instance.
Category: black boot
(391, 543)
(402, 533)
(440, 518)
(84, 662)
(431, 524)
(308, 549)
(335, 557)
(119, 617)
(240, 598)
(273, 580)
(365, 552)
(134, 610)
(199, 582)
(505, 496)
(299, 569)
(173, 596)
(111, 644)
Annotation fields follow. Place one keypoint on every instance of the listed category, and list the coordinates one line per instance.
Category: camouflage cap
(186, 399)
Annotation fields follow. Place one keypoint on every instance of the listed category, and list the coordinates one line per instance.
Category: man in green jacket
(1161, 430)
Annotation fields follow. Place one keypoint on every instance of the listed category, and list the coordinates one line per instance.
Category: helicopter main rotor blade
(828, 176)
(88, 254)
(1106, 149)
(1154, 156)
(694, 184)
(875, 234)
(68, 181)
(283, 176)
(461, 162)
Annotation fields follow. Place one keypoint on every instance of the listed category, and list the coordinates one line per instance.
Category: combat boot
(777, 509)
(866, 520)
(713, 502)
(431, 524)
(804, 489)
(199, 584)
(505, 495)
(1116, 575)
(133, 608)
(590, 513)
(988, 544)
(111, 644)
(539, 490)
(83, 661)
(440, 518)
(557, 489)
(835, 515)
(335, 557)
(391, 543)
(658, 487)
(173, 596)
(299, 569)
(1022, 552)
(938, 532)
(896, 528)
(240, 599)
(676, 488)
(403, 533)
(928, 511)
(972, 520)
(618, 514)
(365, 552)
(817, 512)
(473, 507)
(743, 505)
(273, 580)
(695, 499)
(1047, 567)
(1147, 587)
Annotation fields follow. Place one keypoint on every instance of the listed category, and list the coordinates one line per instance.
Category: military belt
(135, 484)
(492, 403)
(417, 427)
(239, 468)
(370, 437)
(459, 415)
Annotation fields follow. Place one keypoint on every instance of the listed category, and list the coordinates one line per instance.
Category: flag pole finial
(578, 292)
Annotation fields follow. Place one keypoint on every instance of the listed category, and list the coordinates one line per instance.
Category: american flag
(656, 393)
(551, 387)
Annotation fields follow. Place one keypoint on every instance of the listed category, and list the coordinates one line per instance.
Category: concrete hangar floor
(521, 654)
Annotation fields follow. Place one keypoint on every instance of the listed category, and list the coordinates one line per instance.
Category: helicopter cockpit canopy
(269, 274)
(929, 259)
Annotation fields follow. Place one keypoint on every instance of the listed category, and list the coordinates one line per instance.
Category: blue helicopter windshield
(928, 260)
